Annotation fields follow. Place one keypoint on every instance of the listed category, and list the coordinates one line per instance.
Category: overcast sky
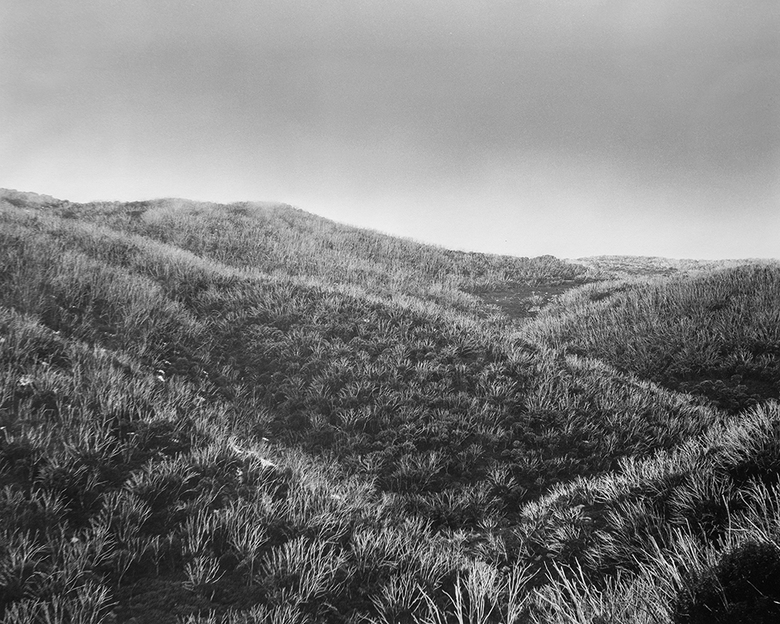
(569, 127)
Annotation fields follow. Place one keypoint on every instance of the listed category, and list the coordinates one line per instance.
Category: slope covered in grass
(405, 391)
(625, 267)
(691, 535)
(280, 240)
(715, 334)
(190, 435)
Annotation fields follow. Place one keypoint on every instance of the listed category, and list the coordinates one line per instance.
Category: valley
(230, 414)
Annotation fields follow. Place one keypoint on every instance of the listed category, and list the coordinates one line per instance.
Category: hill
(714, 333)
(246, 413)
(624, 267)
(282, 240)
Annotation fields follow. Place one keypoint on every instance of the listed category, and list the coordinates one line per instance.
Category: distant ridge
(619, 267)
(26, 197)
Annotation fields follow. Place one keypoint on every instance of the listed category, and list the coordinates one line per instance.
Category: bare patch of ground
(523, 301)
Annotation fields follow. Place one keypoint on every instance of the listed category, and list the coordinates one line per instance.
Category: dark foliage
(744, 588)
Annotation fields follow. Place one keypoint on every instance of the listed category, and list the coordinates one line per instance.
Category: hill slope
(715, 334)
(416, 447)
(279, 239)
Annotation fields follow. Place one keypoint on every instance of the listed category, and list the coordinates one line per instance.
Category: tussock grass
(211, 415)
(714, 334)
(284, 241)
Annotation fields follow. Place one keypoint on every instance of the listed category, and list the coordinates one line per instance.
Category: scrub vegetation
(239, 414)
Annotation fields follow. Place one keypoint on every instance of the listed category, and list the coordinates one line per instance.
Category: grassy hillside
(715, 334)
(690, 535)
(209, 415)
(284, 241)
(625, 267)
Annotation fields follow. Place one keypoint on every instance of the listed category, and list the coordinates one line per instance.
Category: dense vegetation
(283, 241)
(625, 267)
(249, 414)
(715, 334)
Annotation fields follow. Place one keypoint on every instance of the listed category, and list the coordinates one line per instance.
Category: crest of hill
(280, 240)
(28, 199)
(626, 267)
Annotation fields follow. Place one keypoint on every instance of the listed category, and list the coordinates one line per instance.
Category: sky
(523, 127)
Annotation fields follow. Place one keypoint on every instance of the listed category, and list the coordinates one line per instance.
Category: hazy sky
(570, 127)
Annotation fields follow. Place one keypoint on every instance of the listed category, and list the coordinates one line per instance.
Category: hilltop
(624, 267)
(247, 413)
(277, 239)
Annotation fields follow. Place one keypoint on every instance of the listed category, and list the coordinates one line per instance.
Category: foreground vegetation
(200, 428)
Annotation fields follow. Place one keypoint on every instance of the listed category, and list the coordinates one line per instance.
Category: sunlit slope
(279, 239)
(715, 333)
(409, 392)
(689, 535)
